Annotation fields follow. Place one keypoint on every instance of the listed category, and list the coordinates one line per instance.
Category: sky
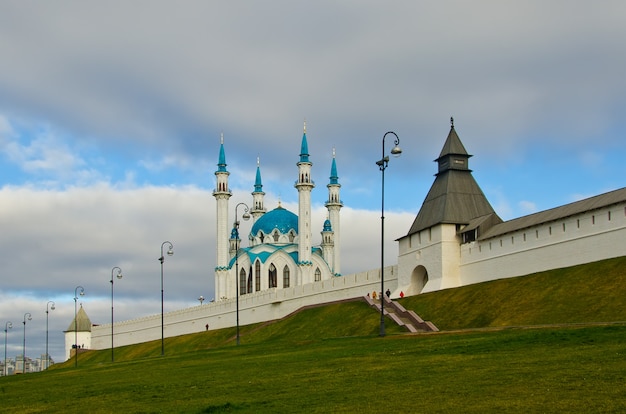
(111, 115)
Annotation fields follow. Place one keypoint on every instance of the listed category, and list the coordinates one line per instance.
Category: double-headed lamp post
(245, 216)
(48, 309)
(7, 326)
(82, 293)
(30, 318)
(382, 164)
(119, 276)
(170, 252)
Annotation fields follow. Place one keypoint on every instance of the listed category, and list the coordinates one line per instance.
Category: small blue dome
(327, 226)
(279, 218)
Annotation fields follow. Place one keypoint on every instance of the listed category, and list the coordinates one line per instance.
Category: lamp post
(7, 326)
(382, 164)
(82, 293)
(48, 309)
(30, 318)
(201, 299)
(245, 216)
(119, 276)
(170, 252)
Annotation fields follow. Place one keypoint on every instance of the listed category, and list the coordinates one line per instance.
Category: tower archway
(419, 278)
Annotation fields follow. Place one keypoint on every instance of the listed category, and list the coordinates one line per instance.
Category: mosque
(281, 252)
(456, 239)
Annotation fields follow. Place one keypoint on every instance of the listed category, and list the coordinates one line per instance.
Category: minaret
(333, 205)
(222, 194)
(328, 243)
(257, 209)
(304, 186)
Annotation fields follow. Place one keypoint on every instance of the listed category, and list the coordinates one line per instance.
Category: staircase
(397, 313)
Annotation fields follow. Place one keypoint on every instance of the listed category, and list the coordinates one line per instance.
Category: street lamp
(48, 309)
(30, 318)
(245, 216)
(162, 259)
(119, 276)
(82, 293)
(382, 164)
(7, 326)
(201, 299)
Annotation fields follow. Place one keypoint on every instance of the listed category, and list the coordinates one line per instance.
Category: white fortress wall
(437, 250)
(583, 238)
(256, 307)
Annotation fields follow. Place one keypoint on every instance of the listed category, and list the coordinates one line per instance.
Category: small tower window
(318, 274)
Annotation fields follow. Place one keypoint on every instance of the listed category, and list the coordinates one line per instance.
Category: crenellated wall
(583, 238)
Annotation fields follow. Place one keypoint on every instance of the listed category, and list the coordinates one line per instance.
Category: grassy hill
(593, 292)
(330, 358)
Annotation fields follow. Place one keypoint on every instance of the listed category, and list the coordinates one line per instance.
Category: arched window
(250, 280)
(286, 276)
(272, 276)
(318, 274)
(257, 276)
(276, 235)
(292, 236)
(242, 282)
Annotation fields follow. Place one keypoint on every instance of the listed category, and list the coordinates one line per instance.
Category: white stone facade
(584, 238)
(257, 307)
(436, 259)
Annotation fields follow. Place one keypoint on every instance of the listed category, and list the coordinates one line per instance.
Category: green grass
(594, 292)
(331, 359)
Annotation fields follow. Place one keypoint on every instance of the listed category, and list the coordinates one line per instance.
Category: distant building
(78, 333)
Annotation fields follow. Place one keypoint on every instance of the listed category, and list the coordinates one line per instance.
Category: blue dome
(279, 218)
(327, 226)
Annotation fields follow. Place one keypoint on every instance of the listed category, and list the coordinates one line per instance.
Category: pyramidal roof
(84, 324)
(454, 197)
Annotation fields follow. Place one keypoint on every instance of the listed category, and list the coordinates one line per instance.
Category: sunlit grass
(331, 359)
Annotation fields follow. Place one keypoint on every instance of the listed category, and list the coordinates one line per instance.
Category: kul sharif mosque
(281, 253)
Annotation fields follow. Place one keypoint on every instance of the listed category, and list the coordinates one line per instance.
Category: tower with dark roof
(455, 208)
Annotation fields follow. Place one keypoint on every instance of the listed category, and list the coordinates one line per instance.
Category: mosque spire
(333, 171)
(221, 163)
(304, 148)
(258, 185)
(258, 208)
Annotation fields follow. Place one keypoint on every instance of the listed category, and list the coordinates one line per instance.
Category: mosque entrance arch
(419, 278)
